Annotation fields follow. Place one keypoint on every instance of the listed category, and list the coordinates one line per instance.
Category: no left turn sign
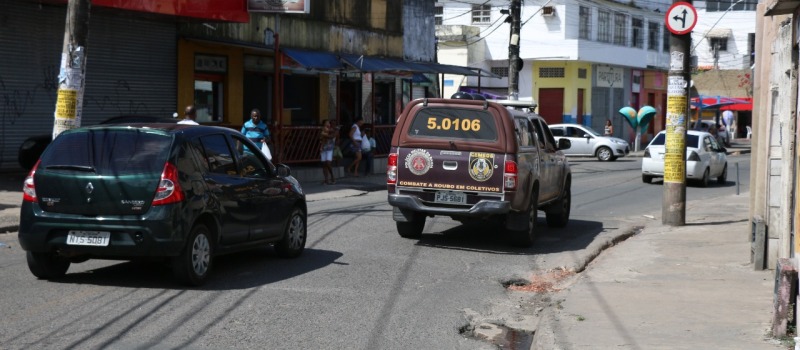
(681, 18)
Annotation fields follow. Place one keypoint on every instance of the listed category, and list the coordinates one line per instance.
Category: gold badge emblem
(481, 165)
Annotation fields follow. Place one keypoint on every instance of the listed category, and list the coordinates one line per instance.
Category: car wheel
(525, 238)
(604, 154)
(193, 264)
(412, 228)
(47, 265)
(647, 179)
(558, 215)
(704, 180)
(294, 236)
(723, 178)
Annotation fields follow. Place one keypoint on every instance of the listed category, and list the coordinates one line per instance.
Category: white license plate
(450, 197)
(93, 238)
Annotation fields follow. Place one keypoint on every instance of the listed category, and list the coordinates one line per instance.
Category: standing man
(256, 129)
(189, 116)
(728, 120)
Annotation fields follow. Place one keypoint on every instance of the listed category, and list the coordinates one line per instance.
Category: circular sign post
(681, 18)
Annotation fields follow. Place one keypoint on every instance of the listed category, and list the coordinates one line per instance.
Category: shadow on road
(237, 271)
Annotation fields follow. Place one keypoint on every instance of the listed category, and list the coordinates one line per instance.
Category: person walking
(189, 116)
(367, 147)
(256, 129)
(608, 129)
(327, 141)
(355, 146)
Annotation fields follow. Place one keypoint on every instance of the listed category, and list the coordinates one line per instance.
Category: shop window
(208, 97)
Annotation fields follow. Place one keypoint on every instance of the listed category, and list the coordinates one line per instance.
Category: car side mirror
(284, 170)
(587, 136)
(564, 143)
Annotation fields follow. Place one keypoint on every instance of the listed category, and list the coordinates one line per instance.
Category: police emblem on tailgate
(481, 165)
(419, 161)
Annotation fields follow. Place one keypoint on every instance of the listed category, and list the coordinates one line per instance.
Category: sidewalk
(687, 287)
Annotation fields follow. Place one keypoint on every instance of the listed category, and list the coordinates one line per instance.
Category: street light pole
(72, 74)
(514, 62)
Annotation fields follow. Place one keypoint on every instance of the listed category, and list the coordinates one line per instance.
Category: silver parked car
(588, 142)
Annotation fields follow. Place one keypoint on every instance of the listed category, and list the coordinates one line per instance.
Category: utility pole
(514, 62)
(680, 19)
(72, 75)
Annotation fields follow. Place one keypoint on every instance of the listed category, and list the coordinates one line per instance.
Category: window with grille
(724, 5)
(501, 71)
(637, 34)
(665, 42)
(438, 15)
(603, 26)
(652, 36)
(551, 72)
(481, 14)
(620, 29)
(585, 29)
(751, 47)
(719, 44)
(581, 73)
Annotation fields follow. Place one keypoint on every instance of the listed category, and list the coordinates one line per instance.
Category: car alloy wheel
(604, 154)
(201, 255)
(294, 236)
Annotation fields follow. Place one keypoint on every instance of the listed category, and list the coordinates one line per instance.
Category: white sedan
(588, 142)
(705, 158)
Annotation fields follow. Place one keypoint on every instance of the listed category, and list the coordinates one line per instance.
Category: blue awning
(314, 59)
(377, 64)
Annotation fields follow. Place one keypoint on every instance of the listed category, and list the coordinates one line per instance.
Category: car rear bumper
(481, 208)
(651, 167)
(156, 234)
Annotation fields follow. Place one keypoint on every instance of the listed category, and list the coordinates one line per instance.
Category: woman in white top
(355, 146)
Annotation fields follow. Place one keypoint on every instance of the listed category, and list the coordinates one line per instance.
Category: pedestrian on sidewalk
(355, 146)
(367, 148)
(189, 116)
(256, 129)
(608, 129)
(327, 142)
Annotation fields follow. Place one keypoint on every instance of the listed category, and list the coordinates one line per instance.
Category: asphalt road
(357, 286)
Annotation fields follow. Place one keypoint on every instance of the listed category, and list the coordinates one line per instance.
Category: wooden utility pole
(680, 19)
(71, 77)
(514, 62)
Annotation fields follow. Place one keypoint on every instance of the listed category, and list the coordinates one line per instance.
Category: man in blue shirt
(256, 129)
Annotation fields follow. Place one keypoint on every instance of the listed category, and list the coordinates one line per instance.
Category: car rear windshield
(691, 140)
(454, 123)
(108, 152)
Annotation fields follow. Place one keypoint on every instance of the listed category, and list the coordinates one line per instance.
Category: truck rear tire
(558, 212)
(525, 238)
(412, 228)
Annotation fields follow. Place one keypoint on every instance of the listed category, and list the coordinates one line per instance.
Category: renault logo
(89, 188)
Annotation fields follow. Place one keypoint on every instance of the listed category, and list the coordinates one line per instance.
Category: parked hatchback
(705, 158)
(588, 142)
(180, 193)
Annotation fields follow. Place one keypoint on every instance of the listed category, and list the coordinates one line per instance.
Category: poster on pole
(279, 6)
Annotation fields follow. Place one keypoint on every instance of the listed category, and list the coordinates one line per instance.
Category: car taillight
(28, 187)
(694, 157)
(169, 190)
(510, 175)
(391, 169)
(647, 153)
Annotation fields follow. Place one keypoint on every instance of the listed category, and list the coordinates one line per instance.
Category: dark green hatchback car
(141, 191)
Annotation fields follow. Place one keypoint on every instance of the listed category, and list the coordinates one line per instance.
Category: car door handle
(449, 165)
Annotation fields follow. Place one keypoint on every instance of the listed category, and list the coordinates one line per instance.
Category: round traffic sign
(681, 18)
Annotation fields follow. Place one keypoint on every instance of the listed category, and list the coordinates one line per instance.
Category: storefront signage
(210, 63)
(282, 6)
(609, 76)
(261, 64)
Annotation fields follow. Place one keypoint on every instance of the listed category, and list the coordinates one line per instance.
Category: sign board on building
(210, 63)
(609, 76)
(282, 6)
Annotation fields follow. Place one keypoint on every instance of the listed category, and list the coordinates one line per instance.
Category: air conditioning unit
(548, 11)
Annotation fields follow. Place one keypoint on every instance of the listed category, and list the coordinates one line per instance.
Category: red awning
(723, 103)
(214, 10)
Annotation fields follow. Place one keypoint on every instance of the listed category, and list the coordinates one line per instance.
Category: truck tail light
(510, 175)
(28, 187)
(169, 190)
(391, 169)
